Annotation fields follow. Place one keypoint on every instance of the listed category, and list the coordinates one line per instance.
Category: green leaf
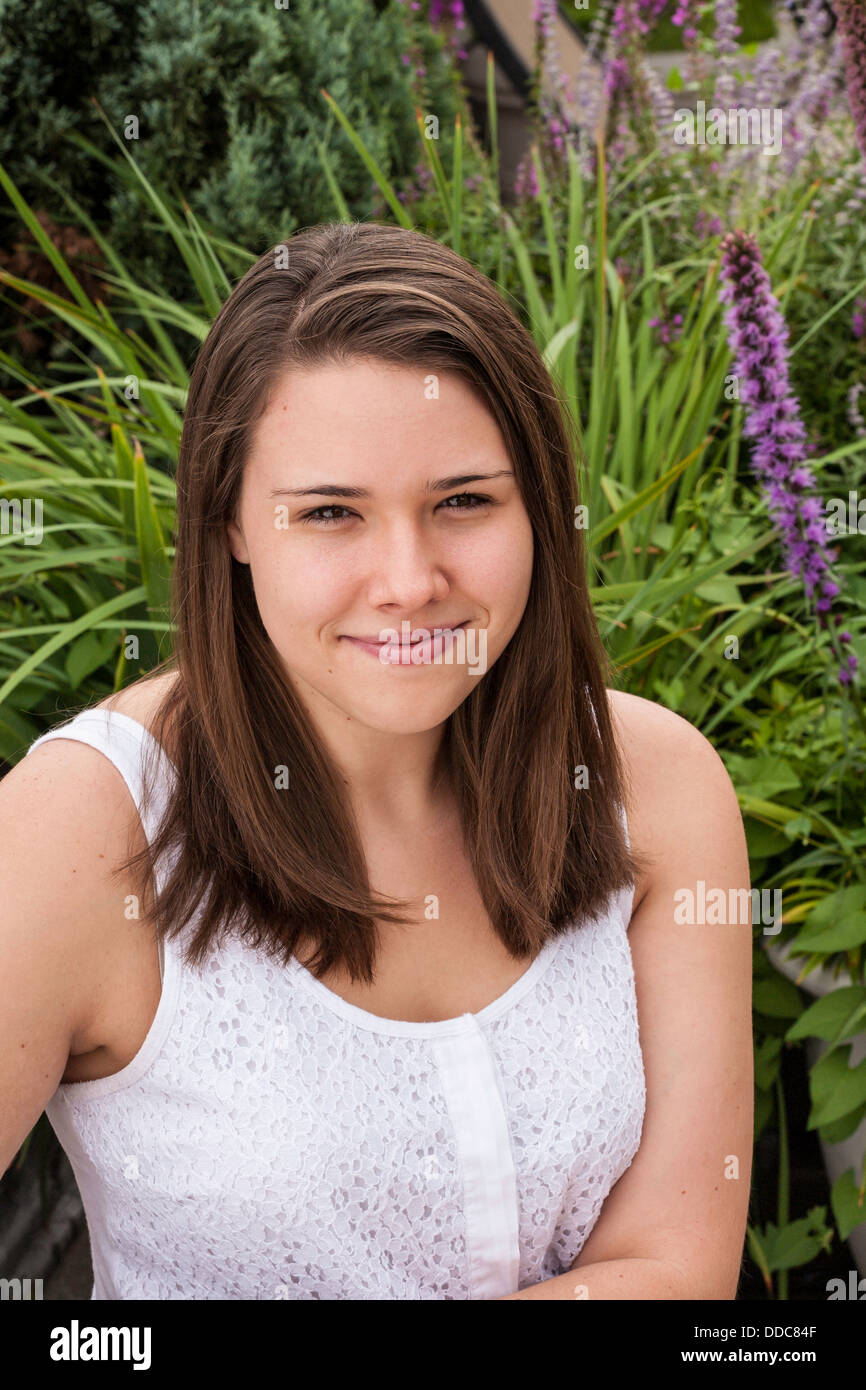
(764, 840)
(798, 828)
(837, 923)
(87, 654)
(722, 589)
(834, 1018)
(42, 238)
(781, 694)
(838, 1130)
(777, 997)
(763, 1110)
(835, 1087)
(155, 567)
(848, 1203)
(674, 80)
(373, 168)
(796, 1243)
(764, 776)
(759, 1255)
(768, 1056)
(66, 633)
(637, 503)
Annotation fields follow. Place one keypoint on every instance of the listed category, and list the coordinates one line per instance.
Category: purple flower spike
(851, 15)
(758, 335)
(451, 19)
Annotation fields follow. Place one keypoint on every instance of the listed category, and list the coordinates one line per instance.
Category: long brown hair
(276, 865)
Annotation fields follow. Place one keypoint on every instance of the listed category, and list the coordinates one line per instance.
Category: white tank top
(270, 1140)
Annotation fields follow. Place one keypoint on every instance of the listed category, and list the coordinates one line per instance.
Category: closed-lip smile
(375, 641)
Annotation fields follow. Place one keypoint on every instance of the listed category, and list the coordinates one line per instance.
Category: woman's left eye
(474, 499)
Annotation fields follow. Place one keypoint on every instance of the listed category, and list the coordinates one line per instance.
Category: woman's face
(345, 540)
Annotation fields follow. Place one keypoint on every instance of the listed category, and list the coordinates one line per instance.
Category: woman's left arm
(674, 1225)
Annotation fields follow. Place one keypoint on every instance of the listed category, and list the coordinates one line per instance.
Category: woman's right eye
(314, 518)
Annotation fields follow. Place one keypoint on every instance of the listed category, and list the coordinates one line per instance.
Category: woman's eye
(317, 519)
(474, 499)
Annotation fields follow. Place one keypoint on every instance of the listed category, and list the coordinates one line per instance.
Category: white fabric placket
(473, 1095)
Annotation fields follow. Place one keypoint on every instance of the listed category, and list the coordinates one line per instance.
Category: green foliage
(795, 1243)
(847, 1201)
(229, 108)
(44, 96)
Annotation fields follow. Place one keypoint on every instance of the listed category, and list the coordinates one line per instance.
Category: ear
(237, 544)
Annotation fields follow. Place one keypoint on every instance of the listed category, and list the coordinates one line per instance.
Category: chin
(401, 715)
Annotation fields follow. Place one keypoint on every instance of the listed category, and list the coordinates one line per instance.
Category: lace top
(270, 1140)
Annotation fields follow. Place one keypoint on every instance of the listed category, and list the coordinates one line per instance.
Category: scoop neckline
(362, 1017)
(462, 1023)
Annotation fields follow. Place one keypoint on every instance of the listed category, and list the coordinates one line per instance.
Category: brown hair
(277, 865)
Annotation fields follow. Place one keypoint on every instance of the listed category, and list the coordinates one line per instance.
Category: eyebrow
(432, 485)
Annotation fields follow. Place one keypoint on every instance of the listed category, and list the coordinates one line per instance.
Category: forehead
(368, 411)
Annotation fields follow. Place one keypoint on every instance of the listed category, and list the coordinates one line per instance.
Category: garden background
(702, 306)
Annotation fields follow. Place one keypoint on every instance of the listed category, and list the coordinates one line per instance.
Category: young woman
(341, 951)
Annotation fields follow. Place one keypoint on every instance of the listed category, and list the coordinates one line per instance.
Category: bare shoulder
(676, 783)
(645, 727)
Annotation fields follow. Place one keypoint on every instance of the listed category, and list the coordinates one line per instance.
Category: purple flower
(707, 226)
(526, 178)
(555, 93)
(858, 319)
(757, 335)
(816, 60)
(685, 17)
(726, 36)
(629, 81)
(450, 17)
(855, 419)
(851, 15)
(667, 328)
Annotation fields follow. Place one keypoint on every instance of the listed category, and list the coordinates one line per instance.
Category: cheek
(503, 570)
(297, 592)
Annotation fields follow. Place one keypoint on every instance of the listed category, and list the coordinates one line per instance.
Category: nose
(408, 572)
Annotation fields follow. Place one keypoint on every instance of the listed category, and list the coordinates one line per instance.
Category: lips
(375, 642)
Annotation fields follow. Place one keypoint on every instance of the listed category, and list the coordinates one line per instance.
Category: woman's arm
(611, 1279)
(64, 813)
(674, 1225)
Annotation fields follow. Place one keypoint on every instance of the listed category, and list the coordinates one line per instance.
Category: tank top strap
(132, 749)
